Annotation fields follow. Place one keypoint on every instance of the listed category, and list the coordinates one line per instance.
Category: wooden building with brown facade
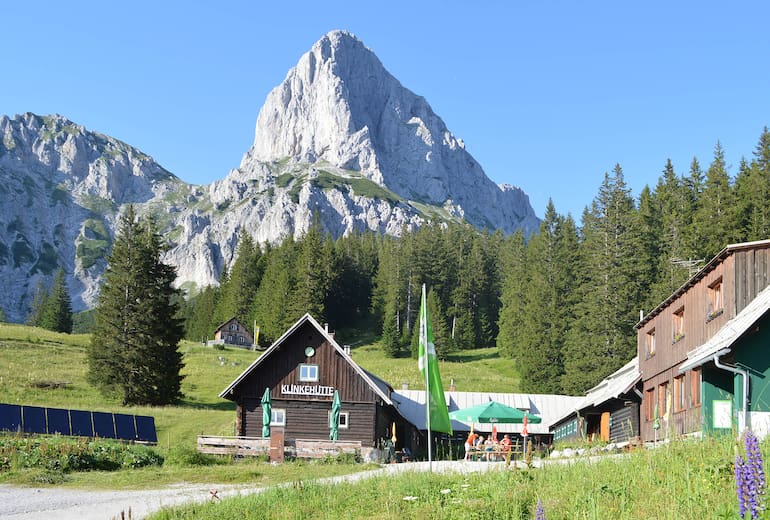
(233, 332)
(704, 352)
(302, 369)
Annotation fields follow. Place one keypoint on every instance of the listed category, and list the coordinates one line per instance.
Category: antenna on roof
(692, 266)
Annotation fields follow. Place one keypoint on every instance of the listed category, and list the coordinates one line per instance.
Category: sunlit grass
(685, 480)
(478, 370)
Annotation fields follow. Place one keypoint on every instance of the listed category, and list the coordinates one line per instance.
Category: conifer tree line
(561, 304)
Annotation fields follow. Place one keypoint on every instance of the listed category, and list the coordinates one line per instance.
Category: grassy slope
(30, 355)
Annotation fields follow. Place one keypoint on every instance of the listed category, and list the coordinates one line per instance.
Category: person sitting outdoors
(489, 449)
(470, 444)
(406, 454)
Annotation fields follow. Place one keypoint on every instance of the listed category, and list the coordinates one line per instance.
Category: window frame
(695, 384)
(650, 401)
(680, 393)
(716, 299)
(677, 325)
(662, 396)
(308, 377)
(344, 420)
(277, 411)
(650, 342)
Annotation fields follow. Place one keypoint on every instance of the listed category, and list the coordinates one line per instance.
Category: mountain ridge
(62, 187)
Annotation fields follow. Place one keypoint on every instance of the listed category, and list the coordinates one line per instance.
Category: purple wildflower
(540, 510)
(750, 478)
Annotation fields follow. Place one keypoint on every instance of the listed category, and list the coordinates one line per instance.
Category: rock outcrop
(339, 139)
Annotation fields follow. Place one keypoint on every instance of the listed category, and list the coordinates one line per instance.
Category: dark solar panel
(124, 427)
(58, 421)
(145, 429)
(33, 419)
(103, 425)
(10, 417)
(81, 423)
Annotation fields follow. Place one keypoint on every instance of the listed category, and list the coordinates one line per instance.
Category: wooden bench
(241, 446)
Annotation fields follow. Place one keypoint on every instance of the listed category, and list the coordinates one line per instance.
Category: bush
(73, 454)
(186, 456)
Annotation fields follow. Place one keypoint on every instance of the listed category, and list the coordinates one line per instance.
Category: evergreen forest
(561, 304)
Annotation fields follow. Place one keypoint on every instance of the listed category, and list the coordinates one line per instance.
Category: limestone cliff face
(61, 188)
(340, 106)
(340, 138)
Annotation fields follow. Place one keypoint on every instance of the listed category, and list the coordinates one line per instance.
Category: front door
(604, 428)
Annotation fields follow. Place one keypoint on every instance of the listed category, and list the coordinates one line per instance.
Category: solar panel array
(81, 423)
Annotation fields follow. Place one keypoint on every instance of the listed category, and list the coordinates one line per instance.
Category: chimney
(346, 348)
(452, 385)
(404, 386)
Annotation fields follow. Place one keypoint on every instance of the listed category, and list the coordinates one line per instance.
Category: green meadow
(43, 368)
(680, 480)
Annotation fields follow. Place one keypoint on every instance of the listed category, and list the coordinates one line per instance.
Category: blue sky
(547, 96)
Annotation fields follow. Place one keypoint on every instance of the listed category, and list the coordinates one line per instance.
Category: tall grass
(683, 480)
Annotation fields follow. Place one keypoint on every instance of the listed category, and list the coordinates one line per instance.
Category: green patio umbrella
(267, 413)
(334, 418)
(492, 412)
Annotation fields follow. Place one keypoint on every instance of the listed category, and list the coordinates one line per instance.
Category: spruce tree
(56, 313)
(601, 338)
(39, 305)
(509, 337)
(716, 216)
(133, 349)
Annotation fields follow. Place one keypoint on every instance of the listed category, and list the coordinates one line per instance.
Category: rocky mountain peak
(340, 106)
(340, 140)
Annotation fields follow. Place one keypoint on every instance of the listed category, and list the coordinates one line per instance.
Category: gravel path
(24, 503)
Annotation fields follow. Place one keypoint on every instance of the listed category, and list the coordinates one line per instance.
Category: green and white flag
(437, 418)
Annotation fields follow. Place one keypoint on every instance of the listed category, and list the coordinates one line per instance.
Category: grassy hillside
(480, 370)
(38, 367)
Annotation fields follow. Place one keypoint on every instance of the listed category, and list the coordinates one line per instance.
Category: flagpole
(424, 339)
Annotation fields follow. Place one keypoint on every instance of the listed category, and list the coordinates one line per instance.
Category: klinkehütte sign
(316, 390)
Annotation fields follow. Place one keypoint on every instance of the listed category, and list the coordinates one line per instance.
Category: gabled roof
(613, 386)
(307, 318)
(411, 405)
(730, 332)
(719, 258)
(234, 318)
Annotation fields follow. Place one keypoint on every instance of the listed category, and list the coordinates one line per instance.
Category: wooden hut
(609, 412)
(233, 332)
(302, 369)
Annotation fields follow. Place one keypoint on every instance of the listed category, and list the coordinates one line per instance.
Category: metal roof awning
(733, 330)
(616, 384)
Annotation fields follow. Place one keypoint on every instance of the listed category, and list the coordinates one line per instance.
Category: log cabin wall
(307, 403)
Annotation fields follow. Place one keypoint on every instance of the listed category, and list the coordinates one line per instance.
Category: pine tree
(39, 304)
(270, 304)
(391, 340)
(311, 275)
(56, 312)
(716, 217)
(133, 348)
(602, 339)
(547, 309)
(200, 321)
(509, 338)
(243, 279)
